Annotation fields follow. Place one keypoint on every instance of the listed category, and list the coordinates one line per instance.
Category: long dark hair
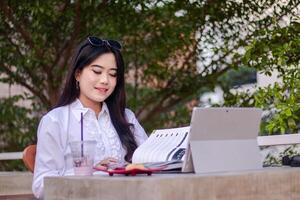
(116, 102)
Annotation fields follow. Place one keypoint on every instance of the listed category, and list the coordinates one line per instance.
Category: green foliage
(273, 48)
(12, 165)
(18, 129)
(283, 108)
(17, 125)
(278, 50)
(276, 153)
(178, 116)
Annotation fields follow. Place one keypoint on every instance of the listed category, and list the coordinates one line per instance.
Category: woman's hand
(104, 164)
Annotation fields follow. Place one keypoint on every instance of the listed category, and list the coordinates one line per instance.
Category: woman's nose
(104, 78)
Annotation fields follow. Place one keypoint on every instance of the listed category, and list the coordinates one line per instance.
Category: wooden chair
(29, 157)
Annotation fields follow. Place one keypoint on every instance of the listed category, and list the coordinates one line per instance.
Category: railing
(11, 155)
(285, 139)
(261, 140)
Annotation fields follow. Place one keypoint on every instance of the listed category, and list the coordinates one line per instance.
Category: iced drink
(83, 157)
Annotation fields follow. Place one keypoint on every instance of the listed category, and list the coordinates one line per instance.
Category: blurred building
(9, 90)
(248, 83)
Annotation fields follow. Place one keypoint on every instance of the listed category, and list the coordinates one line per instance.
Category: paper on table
(163, 145)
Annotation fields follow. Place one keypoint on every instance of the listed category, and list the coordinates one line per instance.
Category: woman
(95, 88)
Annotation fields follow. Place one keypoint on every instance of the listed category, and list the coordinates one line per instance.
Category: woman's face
(97, 80)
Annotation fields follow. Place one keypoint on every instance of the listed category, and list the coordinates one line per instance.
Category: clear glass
(83, 153)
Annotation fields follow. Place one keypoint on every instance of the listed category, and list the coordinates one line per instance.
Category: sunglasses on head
(97, 42)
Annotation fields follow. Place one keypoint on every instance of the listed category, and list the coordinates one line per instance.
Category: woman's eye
(113, 75)
(97, 72)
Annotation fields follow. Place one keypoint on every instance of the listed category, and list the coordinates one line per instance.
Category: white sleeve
(138, 131)
(49, 159)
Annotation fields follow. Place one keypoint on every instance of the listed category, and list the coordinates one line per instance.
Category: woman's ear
(77, 75)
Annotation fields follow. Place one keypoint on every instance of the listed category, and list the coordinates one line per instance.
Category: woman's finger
(106, 161)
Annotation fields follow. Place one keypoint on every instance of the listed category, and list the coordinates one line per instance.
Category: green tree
(275, 47)
(279, 50)
(38, 38)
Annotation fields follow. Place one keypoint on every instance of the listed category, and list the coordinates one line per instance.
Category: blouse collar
(77, 108)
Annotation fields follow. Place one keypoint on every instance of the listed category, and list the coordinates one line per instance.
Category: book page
(163, 145)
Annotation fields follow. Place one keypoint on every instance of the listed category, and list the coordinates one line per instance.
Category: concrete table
(266, 184)
(16, 185)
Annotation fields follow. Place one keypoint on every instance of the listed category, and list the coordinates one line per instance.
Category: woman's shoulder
(56, 114)
(128, 111)
(130, 114)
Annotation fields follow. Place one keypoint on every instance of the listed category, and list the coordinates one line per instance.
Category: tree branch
(168, 101)
(8, 13)
(64, 53)
(22, 82)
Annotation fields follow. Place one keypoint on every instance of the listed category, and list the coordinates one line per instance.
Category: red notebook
(131, 171)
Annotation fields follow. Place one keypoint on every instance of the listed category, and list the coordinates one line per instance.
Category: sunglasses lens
(115, 44)
(95, 41)
(98, 42)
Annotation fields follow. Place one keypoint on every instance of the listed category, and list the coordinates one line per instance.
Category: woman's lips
(102, 90)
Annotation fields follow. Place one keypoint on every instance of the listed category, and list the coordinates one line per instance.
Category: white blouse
(62, 125)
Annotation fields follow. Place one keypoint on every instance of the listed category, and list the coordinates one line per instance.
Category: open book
(163, 147)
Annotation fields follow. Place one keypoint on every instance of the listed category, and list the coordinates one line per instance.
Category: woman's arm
(138, 131)
(49, 156)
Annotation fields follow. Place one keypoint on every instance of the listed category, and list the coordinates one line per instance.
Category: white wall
(263, 80)
(7, 90)
(217, 96)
